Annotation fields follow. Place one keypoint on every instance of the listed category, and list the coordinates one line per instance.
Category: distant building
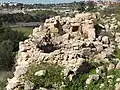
(106, 2)
(12, 3)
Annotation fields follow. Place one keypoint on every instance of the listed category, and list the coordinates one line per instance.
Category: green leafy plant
(52, 79)
(117, 52)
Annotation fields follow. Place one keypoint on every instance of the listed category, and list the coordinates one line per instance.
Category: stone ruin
(81, 24)
(68, 42)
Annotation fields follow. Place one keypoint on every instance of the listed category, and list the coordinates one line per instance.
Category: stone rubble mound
(68, 42)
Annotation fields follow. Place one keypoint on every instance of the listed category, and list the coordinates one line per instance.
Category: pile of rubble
(72, 43)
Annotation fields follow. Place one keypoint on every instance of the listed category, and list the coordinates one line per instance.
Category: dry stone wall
(68, 42)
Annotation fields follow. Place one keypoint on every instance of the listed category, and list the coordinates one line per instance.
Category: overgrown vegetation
(52, 79)
(9, 43)
(90, 6)
(105, 83)
(108, 83)
(117, 53)
(2, 85)
(34, 16)
(3, 78)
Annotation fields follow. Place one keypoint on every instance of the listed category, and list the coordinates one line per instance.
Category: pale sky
(39, 1)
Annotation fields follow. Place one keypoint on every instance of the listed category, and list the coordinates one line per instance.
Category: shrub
(2, 85)
(6, 56)
(79, 83)
(117, 53)
(9, 43)
(52, 79)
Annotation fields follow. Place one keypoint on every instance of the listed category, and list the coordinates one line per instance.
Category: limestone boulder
(117, 86)
(105, 40)
(13, 83)
(118, 65)
(73, 68)
(22, 47)
(28, 85)
(99, 70)
(66, 37)
(41, 88)
(99, 48)
(86, 52)
(111, 67)
(91, 78)
(35, 31)
(40, 73)
(91, 34)
(88, 29)
(58, 26)
(117, 39)
(20, 70)
(75, 24)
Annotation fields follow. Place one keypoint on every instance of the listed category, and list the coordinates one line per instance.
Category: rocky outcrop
(68, 42)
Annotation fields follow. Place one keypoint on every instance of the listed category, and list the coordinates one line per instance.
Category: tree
(9, 43)
(90, 6)
(6, 56)
(20, 5)
(14, 36)
(7, 6)
(81, 7)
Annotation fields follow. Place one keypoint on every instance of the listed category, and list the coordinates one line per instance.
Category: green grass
(44, 12)
(79, 83)
(52, 78)
(26, 30)
(117, 53)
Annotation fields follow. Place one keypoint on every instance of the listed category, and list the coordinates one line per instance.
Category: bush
(117, 53)
(13, 36)
(9, 43)
(53, 78)
(6, 56)
(34, 16)
(109, 84)
(79, 82)
(2, 85)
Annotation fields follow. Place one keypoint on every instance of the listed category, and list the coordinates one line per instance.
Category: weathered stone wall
(68, 42)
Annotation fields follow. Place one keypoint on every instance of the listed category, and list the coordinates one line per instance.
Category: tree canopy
(9, 43)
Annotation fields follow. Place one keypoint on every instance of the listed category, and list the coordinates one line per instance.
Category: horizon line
(52, 2)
